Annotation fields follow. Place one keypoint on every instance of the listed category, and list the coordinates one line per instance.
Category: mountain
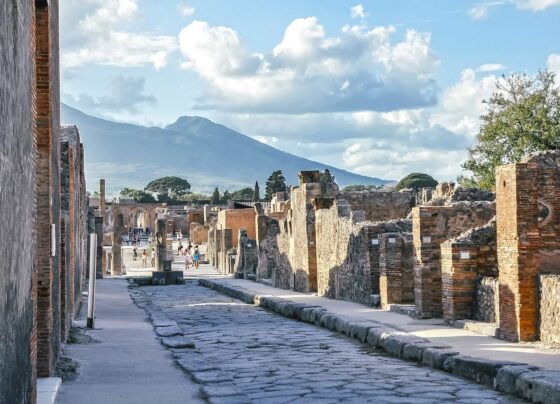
(206, 153)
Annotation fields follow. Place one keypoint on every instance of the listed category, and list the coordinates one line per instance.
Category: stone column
(161, 235)
(99, 258)
(116, 264)
(102, 198)
(206, 218)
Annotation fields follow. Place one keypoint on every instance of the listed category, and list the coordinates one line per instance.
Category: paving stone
(272, 359)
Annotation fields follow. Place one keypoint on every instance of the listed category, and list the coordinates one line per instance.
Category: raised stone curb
(513, 378)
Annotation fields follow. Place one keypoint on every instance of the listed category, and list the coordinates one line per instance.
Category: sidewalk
(524, 369)
(126, 364)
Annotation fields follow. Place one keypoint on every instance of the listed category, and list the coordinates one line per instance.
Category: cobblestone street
(244, 353)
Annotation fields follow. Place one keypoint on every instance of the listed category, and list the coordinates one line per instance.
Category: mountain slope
(206, 153)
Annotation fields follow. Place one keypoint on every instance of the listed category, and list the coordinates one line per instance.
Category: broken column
(101, 198)
(99, 258)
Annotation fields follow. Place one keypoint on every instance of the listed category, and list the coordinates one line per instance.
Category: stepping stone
(211, 376)
(177, 342)
(168, 331)
(162, 322)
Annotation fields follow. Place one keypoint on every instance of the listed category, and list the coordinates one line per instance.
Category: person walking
(153, 258)
(144, 258)
(188, 258)
(134, 254)
(196, 257)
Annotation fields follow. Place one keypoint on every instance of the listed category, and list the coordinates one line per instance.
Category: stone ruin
(450, 252)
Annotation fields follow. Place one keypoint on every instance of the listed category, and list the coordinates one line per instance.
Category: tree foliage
(243, 194)
(522, 116)
(138, 195)
(362, 188)
(172, 186)
(326, 176)
(275, 183)
(416, 181)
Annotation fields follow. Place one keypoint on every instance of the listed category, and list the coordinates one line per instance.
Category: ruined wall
(247, 257)
(198, 233)
(432, 225)
(549, 324)
(348, 250)
(17, 202)
(396, 264)
(463, 260)
(237, 219)
(381, 206)
(487, 301)
(343, 267)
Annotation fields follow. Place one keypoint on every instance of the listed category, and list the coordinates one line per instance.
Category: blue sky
(381, 87)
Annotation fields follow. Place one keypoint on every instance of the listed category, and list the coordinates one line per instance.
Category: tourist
(196, 257)
(134, 254)
(180, 249)
(188, 258)
(153, 257)
(144, 258)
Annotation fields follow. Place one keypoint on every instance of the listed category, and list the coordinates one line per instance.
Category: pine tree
(256, 193)
(215, 200)
(275, 183)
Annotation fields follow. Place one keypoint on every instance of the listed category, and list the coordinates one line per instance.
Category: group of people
(191, 254)
(145, 257)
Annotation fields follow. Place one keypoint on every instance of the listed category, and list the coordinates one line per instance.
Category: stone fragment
(539, 386)
(507, 376)
(191, 364)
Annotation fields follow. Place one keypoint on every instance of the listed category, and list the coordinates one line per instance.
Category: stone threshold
(519, 379)
(489, 329)
(47, 389)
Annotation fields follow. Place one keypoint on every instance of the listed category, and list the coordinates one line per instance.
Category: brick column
(518, 250)
(390, 263)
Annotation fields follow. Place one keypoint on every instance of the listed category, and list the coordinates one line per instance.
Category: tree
(138, 195)
(256, 193)
(243, 194)
(326, 176)
(416, 181)
(226, 197)
(173, 186)
(522, 116)
(361, 188)
(215, 200)
(275, 183)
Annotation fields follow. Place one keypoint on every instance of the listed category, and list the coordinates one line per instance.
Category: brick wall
(463, 260)
(198, 233)
(432, 225)
(396, 263)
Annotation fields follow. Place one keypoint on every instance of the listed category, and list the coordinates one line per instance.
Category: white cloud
(490, 67)
(93, 31)
(479, 12)
(125, 95)
(553, 63)
(461, 104)
(361, 69)
(536, 5)
(186, 10)
(358, 11)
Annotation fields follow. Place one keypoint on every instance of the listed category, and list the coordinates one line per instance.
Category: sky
(379, 87)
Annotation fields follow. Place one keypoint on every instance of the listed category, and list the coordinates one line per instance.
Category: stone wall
(237, 219)
(247, 257)
(464, 259)
(381, 206)
(487, 301)
(17, 202)
(432, 225)
(549, 318)
(198, 233)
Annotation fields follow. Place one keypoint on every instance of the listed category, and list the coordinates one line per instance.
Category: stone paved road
(272, 359)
